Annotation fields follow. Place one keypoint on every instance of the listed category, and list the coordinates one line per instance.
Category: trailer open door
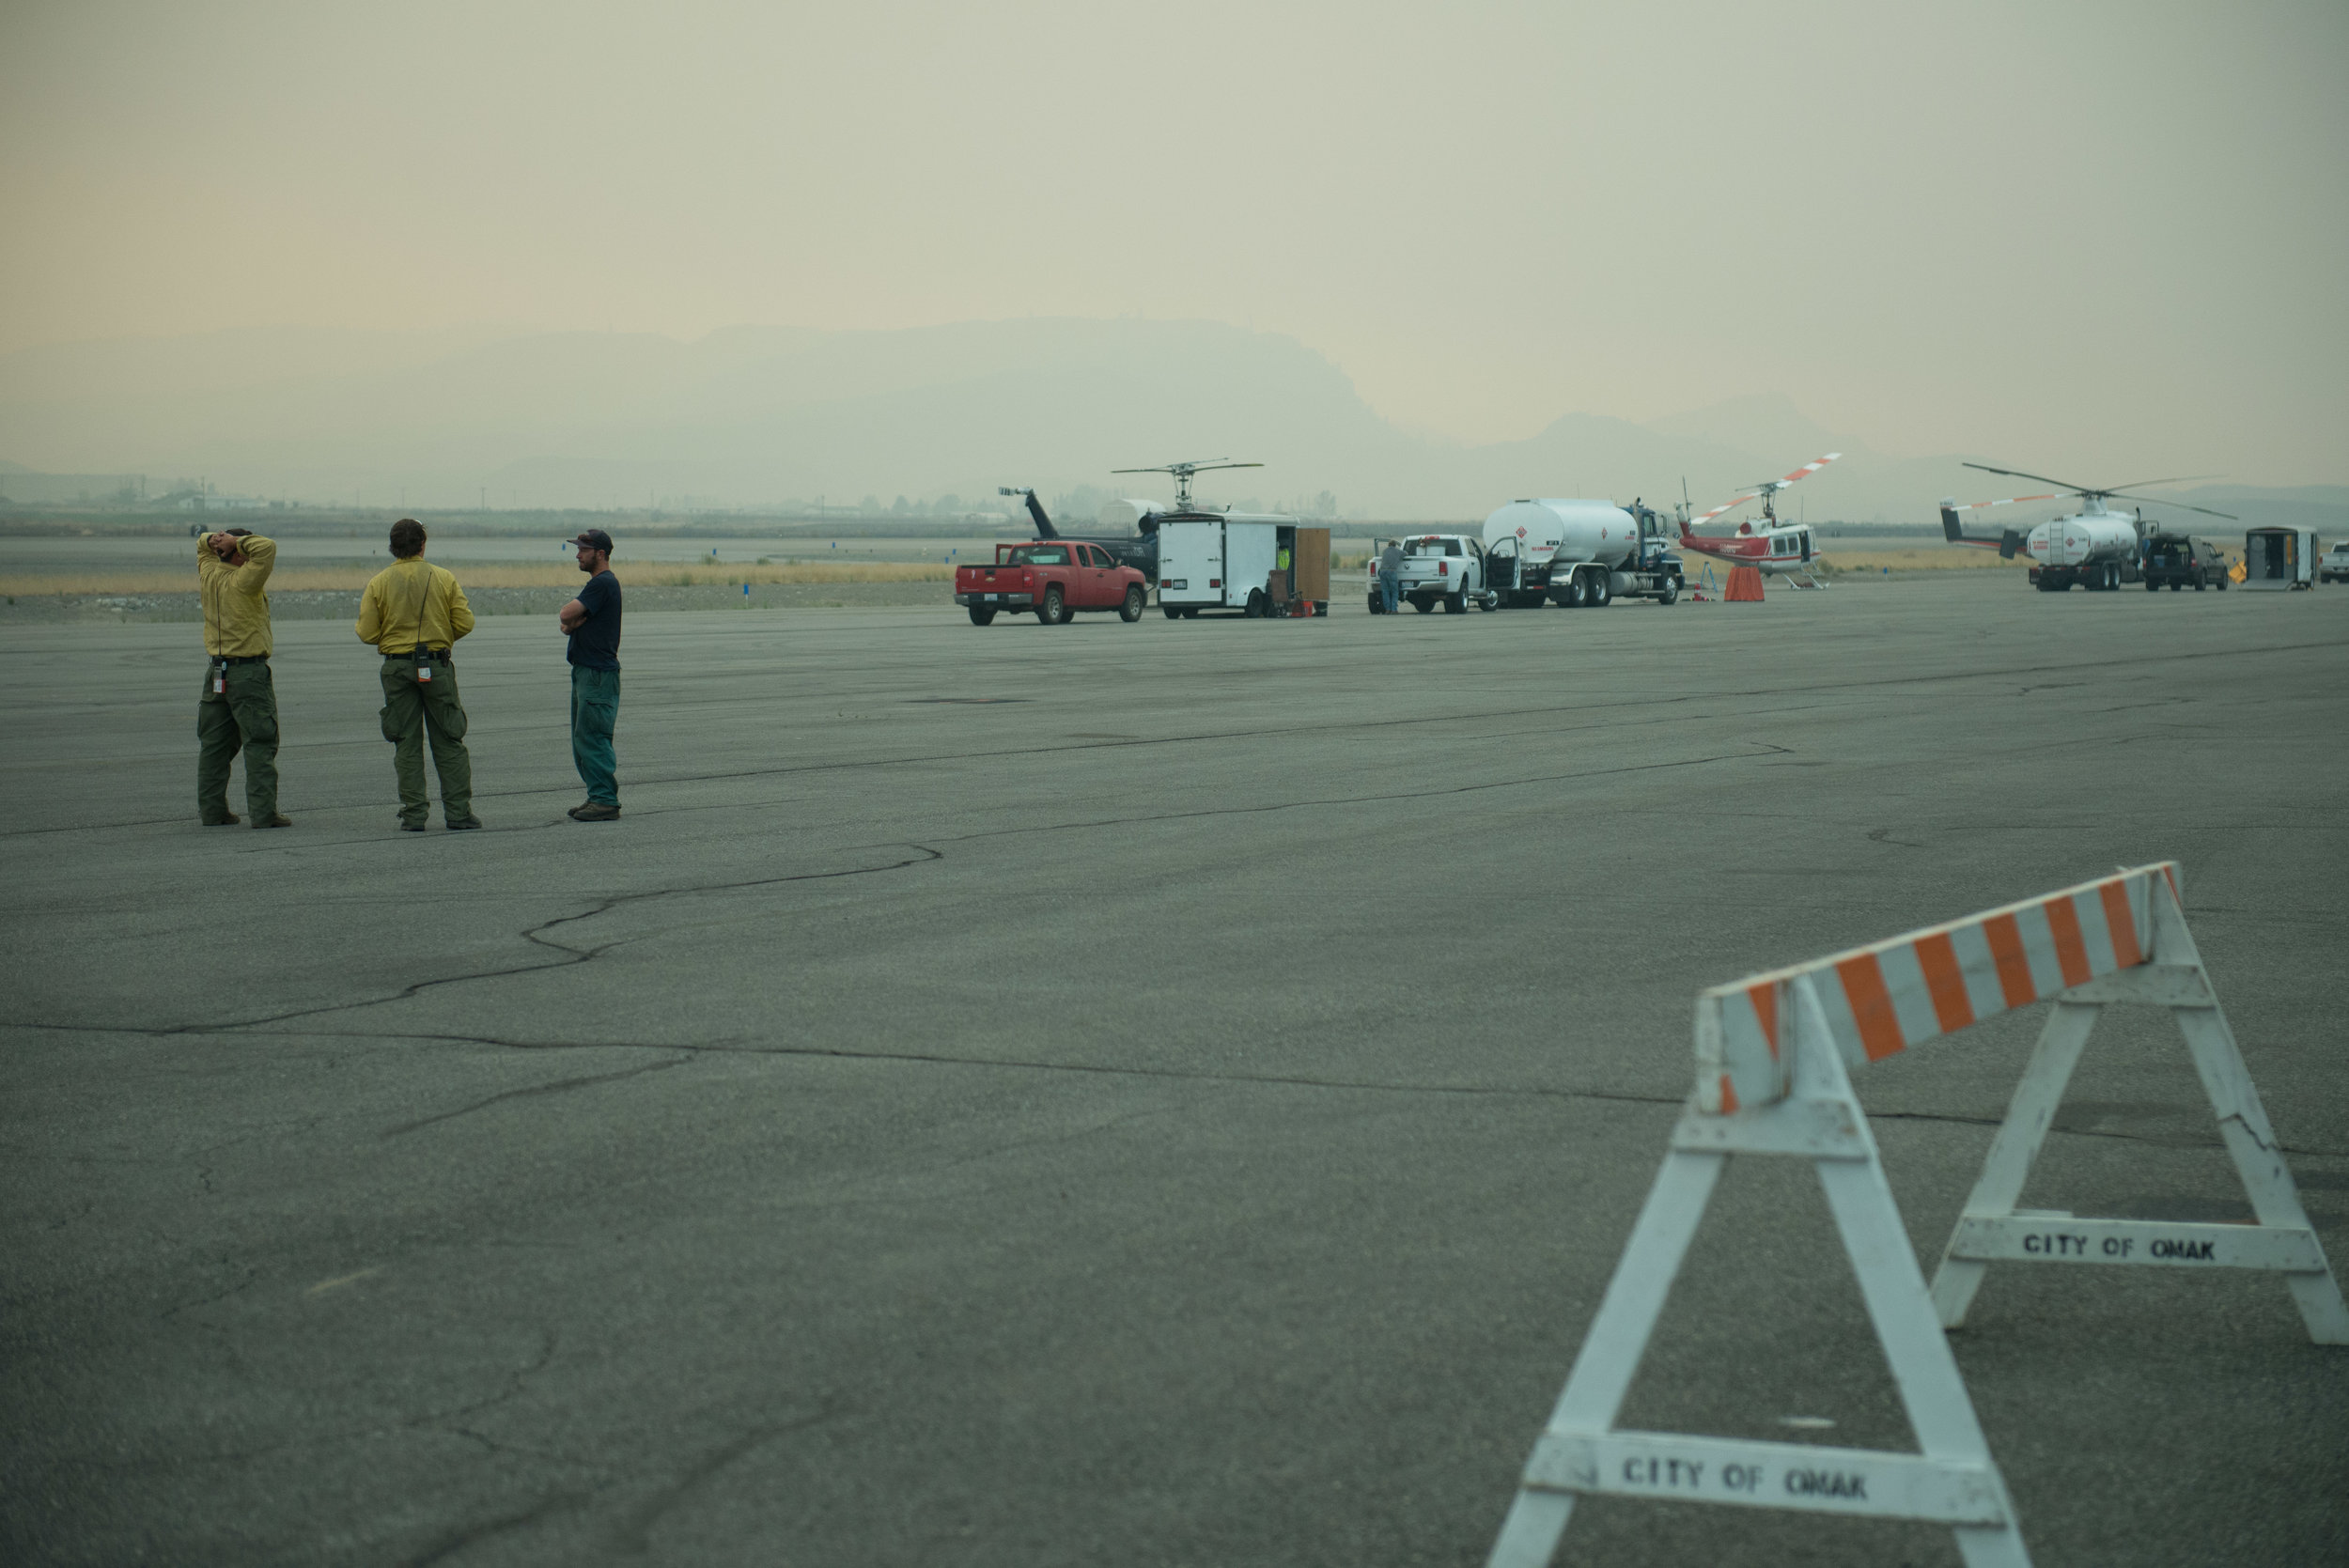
(1311, 565)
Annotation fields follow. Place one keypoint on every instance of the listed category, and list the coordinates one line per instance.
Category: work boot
(594, 811)
(408, 827)
(276, 819)
(460, 824)
(229, 821)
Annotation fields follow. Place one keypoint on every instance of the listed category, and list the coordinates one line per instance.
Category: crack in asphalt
(924, 855)
(684, 1052)
(1183, 1075)
(632, 1533)
(557, 1087)
(571, 955)
(463, 1536)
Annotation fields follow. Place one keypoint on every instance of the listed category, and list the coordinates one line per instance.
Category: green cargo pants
(412, 709)
(243, 719)
(595, 707)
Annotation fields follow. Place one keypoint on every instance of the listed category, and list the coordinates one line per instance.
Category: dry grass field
(488, 574)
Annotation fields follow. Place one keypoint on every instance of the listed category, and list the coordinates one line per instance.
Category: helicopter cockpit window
(1040, 555)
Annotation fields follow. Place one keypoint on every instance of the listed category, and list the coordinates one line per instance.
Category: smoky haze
(2102, 240)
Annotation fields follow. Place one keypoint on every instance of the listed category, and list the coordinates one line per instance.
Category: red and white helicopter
(1764, 541)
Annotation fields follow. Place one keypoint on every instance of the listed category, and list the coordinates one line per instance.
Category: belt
(427, 655)
(240, 659)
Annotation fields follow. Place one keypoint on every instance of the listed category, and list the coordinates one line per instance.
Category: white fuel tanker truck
(2096, 549)
(1579, 552)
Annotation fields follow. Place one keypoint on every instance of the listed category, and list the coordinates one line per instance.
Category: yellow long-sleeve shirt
(236, 598)
(411, 603)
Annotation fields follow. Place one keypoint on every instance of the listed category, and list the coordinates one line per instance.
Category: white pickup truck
(1438, 569)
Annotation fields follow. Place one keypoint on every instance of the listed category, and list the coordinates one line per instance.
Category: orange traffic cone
(1744, 584)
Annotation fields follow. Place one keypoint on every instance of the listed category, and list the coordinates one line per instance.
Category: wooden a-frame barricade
(1772, 1080)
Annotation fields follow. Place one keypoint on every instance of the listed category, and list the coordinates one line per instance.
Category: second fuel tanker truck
(1581, 553)
(2094, 548)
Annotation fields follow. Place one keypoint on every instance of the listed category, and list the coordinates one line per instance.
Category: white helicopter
(1764, 541)
(2095, 547)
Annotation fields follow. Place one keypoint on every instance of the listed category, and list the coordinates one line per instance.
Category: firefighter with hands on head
(238, 708)
(414, 611)
(592, 621)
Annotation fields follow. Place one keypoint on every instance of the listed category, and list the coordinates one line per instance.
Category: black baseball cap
(595, 538)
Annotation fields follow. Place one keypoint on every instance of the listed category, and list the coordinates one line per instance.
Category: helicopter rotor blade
(1808, 469)
(1724, 507)
(2156, 500)
(2141, 483)
(2018, 473)
(1188, 468)
(2011, 501)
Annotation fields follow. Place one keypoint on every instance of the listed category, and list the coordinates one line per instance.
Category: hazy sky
(2097, 238)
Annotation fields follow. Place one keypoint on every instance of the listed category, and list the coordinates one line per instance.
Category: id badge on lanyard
(219, 677)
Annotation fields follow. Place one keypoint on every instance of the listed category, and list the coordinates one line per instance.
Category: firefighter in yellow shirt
(239, 709)
(414, 611)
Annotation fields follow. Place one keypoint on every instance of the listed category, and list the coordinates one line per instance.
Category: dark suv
(2177, 560)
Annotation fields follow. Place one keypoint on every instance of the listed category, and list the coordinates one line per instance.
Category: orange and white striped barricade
(2155, 960)
(1773, 1058)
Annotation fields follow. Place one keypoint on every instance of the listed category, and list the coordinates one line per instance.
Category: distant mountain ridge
(760, 415)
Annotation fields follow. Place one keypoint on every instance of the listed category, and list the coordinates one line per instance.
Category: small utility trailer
(2280, 558)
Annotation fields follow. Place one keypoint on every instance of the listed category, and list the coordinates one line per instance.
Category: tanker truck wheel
(1670, 593)
(1602, 590)
(1571, 596)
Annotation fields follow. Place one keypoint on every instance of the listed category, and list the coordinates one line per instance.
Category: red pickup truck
(1056, 578)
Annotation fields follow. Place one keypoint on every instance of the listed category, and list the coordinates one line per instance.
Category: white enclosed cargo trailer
(1224, 560)
(1579, 552)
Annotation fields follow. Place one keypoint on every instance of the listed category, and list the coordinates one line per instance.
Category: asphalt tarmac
(1155, 1093)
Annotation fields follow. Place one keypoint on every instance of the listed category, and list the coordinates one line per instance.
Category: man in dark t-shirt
(592, 621)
